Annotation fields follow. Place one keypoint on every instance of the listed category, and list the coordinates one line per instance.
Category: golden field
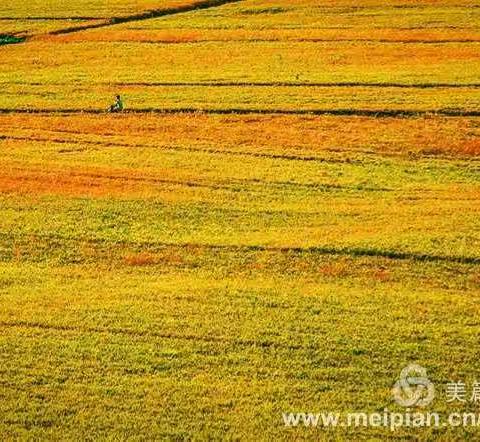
(285, 216)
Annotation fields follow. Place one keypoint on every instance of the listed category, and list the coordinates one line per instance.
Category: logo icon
(413, 389)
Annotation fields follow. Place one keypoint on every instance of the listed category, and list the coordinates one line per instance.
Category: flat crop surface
(286, 215)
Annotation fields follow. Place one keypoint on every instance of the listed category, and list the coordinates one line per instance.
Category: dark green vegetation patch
(10, 39)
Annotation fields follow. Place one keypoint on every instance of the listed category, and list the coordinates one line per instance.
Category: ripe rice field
(285, 216)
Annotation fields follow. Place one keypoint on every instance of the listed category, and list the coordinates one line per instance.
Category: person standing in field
(118, 105)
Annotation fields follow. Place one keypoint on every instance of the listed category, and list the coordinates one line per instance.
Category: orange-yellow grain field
(285, 215)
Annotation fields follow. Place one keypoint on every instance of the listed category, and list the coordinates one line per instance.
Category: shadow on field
(380, 113)
(294, 84)
(54, 240)
(196, 5)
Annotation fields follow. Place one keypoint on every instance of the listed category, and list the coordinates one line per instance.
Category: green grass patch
(10, 39)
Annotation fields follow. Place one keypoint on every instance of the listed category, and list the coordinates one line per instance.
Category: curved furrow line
(301, 250)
